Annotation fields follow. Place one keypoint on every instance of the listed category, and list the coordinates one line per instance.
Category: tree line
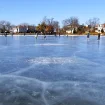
(51, 26)
(73, 24)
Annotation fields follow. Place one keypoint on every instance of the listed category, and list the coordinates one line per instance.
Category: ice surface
(17, 90)
(55, 71)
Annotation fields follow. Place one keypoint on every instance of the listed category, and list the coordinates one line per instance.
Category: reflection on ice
(16, 90)
(60, 60)
(46, 44)
(53, 60)
(50, 44)
(43, 61)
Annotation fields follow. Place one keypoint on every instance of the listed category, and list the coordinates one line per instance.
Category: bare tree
(50, 22)
(5, 25)
(51, 25)
(93, 22)
(72, 21)
(55, 24)
(8, 25)
(24, 24)
(2, 26)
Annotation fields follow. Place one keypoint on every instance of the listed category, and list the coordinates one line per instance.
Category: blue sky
(33, 11)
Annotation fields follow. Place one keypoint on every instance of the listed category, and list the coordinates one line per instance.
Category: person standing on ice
(99, 35)
(88, 35)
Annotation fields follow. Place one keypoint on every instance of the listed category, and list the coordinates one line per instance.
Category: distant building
(19, 29)
(70, 30)
(22, 29)
(14, 30)
(100, 27)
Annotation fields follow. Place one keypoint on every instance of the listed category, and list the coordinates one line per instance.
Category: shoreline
(46, 35)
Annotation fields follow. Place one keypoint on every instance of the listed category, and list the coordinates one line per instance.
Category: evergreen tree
(102, 30)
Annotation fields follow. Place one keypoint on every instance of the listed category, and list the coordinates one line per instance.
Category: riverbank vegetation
(50, 26)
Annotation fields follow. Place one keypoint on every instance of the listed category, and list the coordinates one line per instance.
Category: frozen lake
(52, 71)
